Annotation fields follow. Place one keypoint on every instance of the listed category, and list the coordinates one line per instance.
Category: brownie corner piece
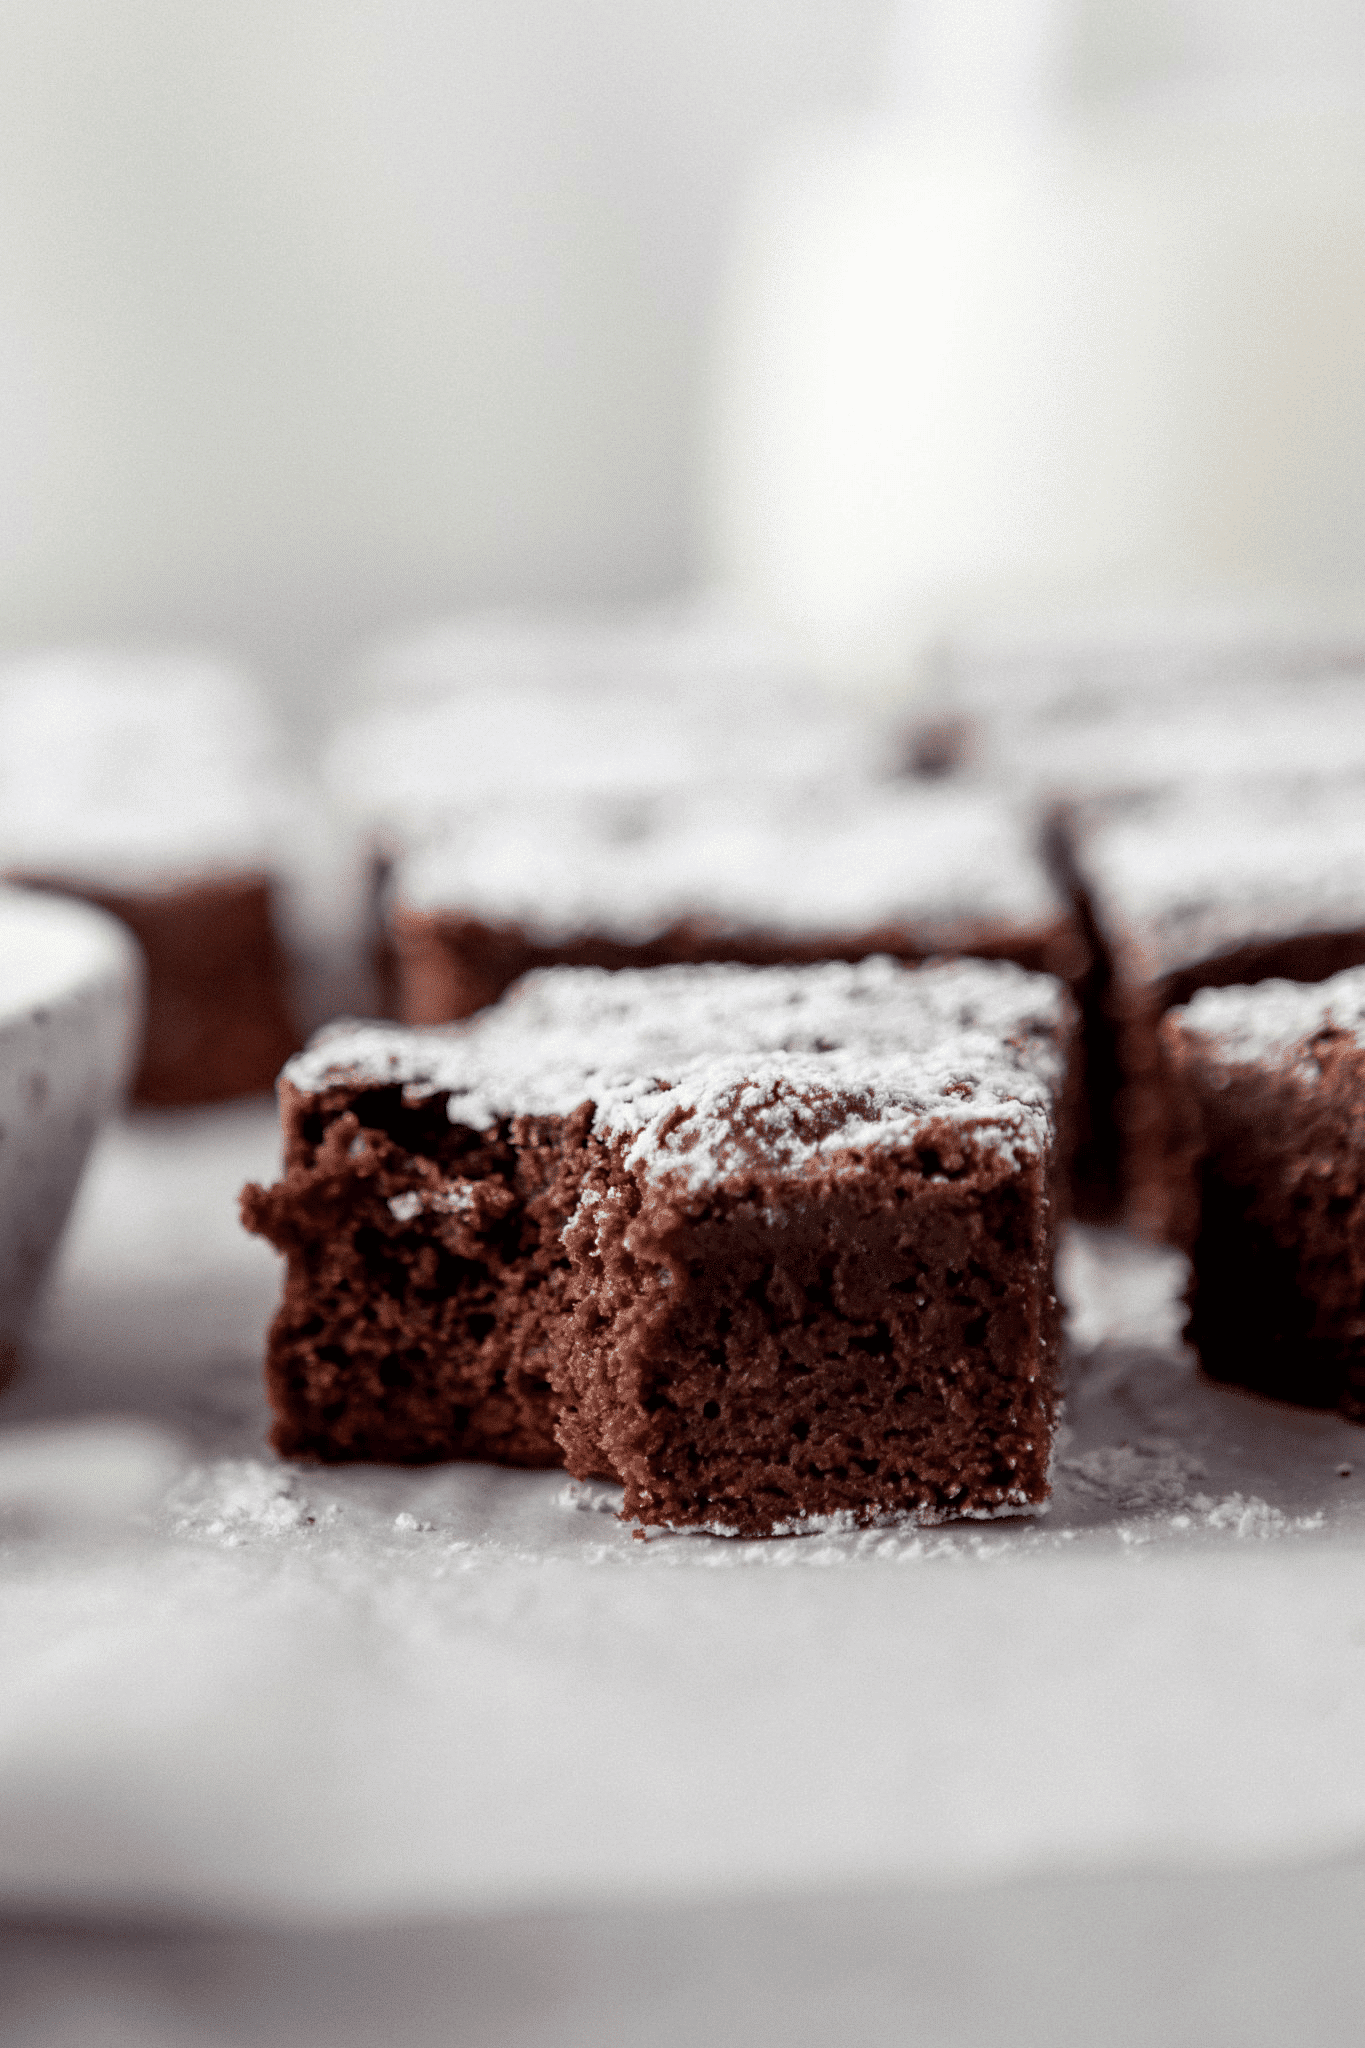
(819, 1292)
(422, 1264)
(1270, 1081)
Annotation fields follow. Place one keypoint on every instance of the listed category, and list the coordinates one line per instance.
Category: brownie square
(910, 872)
(1098, 706)
(627, 703)
(763, 1245)
(149, 784)
(1203, 886)
(1269, 1088)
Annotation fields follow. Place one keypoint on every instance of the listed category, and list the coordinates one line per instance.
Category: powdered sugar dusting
(119, 767)
(239, 1499)
(468, 717)
(1088, 707)
(1273, 1018)
(1203, 870)
(695, 1065)
(881, 855)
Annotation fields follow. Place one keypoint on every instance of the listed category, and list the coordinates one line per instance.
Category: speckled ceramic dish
(70, 1012)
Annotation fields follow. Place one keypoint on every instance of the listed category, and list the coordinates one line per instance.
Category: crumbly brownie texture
(911, 872)
(1269, 1084)
(763, 1245)
(1203, 887)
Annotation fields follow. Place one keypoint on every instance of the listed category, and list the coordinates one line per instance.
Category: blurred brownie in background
(628, 709)
(759, 879)
(1096, 706)
(766, 1246)
(1203, 886)
(151, 785)
(752, 878)
(1268, 1092)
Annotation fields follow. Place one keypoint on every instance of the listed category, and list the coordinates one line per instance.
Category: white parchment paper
(232, 1687)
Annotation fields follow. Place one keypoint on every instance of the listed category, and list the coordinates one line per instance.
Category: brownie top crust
(135, 770)
(700, 1071)
(1201, 871)
(1101, 710)
(410, 768)
(1248, 1026)
(872, 857)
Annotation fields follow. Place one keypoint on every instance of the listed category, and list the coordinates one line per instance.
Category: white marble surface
(235, 1690)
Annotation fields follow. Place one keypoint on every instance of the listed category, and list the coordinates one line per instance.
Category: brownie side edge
(1275, 1217)
(870, 1343)
(424, 1279)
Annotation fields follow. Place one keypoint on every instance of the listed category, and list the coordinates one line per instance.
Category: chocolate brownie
(912, 872)
(613, 723)
(765, 1245)
(1204, 886)
(1269, 1087)
(1098, 706)
(145, 784)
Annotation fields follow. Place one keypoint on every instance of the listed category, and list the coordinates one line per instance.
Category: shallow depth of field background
(316, 316)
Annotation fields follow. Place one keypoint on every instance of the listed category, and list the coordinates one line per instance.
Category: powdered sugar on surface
(697, 1065)
(267, 1691)
(1264, 1022)
(905, 854)
(1096, 707)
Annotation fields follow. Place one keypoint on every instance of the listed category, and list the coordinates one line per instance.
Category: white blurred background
(318, 316)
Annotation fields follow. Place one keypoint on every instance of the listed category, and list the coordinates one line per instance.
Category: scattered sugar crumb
(1151, 1475)
(591, 1497)
(1249, 1515)
(237, 1498)
(1236, 1514)
(415, 1202)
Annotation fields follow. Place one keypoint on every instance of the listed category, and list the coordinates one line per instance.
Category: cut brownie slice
(1204, 886)
(761, 1244)
(1269, 1083)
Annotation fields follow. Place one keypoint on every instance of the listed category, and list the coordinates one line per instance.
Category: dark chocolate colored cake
(763, 1245)
(1206, 886)
(1269, 1086)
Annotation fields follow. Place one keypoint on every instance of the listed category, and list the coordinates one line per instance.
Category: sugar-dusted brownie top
(703, 1071)
(1099, 706)
(1252, 1026)
(1117, 652)
(410, 766)
(127, 770)
(856, 861)
(1201, 871)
